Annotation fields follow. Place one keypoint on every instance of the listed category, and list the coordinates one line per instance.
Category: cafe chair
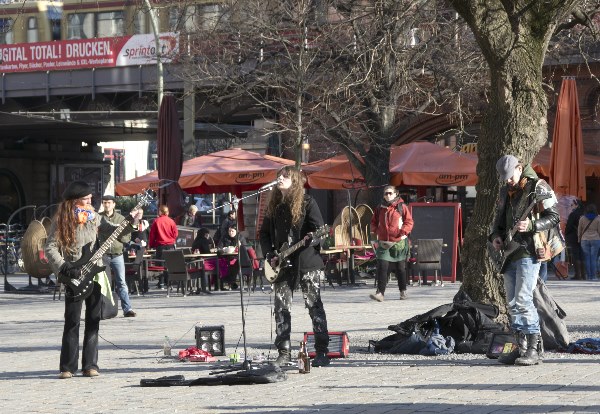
(152, 268)
(429, 257)
(133, 269)
(180, 271)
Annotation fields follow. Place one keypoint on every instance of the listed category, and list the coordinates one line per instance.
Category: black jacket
(544, 215)
(277, 230)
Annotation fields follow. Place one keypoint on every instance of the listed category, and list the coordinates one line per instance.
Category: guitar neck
(116, 233)
(513, 231)
(290, 250)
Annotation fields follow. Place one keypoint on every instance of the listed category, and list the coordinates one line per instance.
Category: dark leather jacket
(275, 231)
(544, 215)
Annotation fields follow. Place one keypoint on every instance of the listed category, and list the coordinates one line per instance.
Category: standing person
(572, 240)
(521, 273)
(74, 225)
(390, 226)
(588, 232)
(113, 258)
(163, 235)
(293, 216)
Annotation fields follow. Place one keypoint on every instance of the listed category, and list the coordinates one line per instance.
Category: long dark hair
(294, 197)
(66, 224)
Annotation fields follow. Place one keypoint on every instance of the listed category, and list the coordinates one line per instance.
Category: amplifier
(339, 345)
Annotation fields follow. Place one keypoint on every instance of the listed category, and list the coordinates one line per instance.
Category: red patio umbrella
(567, 171)
(170, 156)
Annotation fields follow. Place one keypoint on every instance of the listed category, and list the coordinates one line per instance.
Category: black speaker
(211, 339)
(339, 345)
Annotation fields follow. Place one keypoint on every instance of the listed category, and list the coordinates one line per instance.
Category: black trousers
(69, 352)
(164, 278)
(384, 268)
(309, 283)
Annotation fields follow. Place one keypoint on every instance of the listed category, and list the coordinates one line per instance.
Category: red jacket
(386, 220)
(163, 232)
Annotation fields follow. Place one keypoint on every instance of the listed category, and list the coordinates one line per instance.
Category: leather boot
(534, 351)
(511, 357)
(285, 356)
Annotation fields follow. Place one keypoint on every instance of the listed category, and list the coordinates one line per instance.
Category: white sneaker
(377, 296)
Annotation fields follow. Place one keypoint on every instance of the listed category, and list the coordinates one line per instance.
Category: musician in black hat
(74, 225)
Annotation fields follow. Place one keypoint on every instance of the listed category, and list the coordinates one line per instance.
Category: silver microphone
(271, 184)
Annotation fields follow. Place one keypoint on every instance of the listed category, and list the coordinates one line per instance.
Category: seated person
(228, 266)
(139, 237)
(203, 243)
(192, 218)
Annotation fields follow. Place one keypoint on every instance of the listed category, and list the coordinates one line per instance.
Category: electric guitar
(273, 273)
(499, 258)
(88, 264)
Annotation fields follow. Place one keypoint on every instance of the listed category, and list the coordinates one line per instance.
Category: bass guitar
(273, 273)
(88, 264)
(499, 258)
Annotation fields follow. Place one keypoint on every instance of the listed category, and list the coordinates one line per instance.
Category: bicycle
(11, 260)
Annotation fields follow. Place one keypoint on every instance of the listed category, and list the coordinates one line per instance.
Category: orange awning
(541, 163)
(425, 163)
(416, 163)
(228, 171)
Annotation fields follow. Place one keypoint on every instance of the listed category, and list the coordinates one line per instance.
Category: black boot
(285, 355)
(321, 360)
(533, 355)
(321, 347)
(511, 357)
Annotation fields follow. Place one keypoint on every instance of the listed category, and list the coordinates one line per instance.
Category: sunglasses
(388, 193)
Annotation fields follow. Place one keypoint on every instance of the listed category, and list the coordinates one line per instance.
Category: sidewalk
(130, 350)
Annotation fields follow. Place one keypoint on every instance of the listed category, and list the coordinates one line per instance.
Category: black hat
(75, 190)
(108, 197)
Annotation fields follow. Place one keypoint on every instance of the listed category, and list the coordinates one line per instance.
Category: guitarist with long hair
(293, 216)
(75, 225)
(526, 206)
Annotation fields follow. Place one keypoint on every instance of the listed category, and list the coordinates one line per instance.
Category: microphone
(271, 184)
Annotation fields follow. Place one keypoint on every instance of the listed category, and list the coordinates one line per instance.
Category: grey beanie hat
(75, 190)
(506, 166)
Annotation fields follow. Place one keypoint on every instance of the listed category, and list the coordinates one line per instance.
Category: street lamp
(305, 149)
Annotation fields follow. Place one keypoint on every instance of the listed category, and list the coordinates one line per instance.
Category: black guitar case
(109, 310)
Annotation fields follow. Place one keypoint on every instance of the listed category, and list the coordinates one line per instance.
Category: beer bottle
(303, 359)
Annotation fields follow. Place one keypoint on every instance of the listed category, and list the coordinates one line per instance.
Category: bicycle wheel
(11, 265)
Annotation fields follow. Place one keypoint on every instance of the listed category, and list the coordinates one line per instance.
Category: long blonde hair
(294, 197)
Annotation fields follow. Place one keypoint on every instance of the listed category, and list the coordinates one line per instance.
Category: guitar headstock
(145, 198)
(321, 231)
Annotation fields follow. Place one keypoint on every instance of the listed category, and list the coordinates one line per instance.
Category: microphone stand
(247, 364)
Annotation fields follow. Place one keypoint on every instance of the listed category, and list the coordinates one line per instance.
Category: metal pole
(159, 66)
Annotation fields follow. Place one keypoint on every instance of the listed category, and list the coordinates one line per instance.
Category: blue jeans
(117, 265)
(590, 257)
(520, 279)
(544, 271)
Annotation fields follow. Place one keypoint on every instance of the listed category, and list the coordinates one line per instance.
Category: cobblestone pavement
(131, 349)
